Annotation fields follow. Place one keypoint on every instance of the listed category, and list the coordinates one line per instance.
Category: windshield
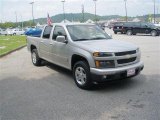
(86, 32)
(151, 25)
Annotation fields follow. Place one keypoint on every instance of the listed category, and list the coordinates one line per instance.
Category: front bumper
(118, 30)
(115, 73)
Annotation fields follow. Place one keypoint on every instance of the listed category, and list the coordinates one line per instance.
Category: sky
(9, 8)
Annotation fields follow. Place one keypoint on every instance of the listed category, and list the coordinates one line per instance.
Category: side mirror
(110, 35)
(146, 25)
(61, 39)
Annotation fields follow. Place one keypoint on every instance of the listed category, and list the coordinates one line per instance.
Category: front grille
(125, 53)
(123, 61)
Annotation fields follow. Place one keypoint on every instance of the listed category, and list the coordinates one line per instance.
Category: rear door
(136, 27)
(44, 43)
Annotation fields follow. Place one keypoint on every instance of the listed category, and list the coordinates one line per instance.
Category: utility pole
(64, 16)
(16, 19)
(82, 13)
(21, 22)
(125, 1)
(95, 10)
(32, 3)
(154, 11)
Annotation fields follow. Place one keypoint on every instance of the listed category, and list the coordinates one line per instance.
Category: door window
(137, 24)
(58, 31)
(144, 25)
(47, 32)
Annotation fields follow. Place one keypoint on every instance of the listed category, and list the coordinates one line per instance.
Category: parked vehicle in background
(112, 24)
(18, 32)
(3, 32)
(8, 31)
(91, 54)
(118, 27)
(35, 32)
(132, 28)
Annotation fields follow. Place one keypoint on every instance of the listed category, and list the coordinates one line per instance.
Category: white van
(18, 32)
(3, 32)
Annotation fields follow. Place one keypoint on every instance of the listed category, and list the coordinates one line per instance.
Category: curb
(12, 51)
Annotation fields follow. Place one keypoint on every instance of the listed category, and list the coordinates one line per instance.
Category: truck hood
(106, 45)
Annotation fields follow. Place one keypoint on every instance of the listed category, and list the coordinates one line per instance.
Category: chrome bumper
(111, 71)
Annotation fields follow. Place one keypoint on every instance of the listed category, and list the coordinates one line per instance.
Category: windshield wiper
(98, 38)
(83, 39)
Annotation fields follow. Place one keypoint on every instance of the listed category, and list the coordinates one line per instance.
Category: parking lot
(49, 92)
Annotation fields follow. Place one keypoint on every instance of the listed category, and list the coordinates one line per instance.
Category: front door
(59, 52)
(145, 29)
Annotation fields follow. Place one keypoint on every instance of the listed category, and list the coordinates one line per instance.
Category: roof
(64, 24)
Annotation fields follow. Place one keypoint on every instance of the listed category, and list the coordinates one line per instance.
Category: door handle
(51, 43)
(41, 41)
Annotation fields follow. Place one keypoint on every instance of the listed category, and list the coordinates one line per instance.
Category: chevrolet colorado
(88, 51)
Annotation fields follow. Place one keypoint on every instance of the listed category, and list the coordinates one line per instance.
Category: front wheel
(129, 32)
(36, 60)
(115, 32)
(81, 74)
(153, 33)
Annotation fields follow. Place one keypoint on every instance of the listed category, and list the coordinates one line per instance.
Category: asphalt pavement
(48, 92)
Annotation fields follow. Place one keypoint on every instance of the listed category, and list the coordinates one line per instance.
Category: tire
(153, 33)
(129, 32)
(36, 60)
(115, 32)
(81, 74)
(134, 33)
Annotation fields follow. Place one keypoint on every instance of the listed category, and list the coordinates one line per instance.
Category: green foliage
(76, 17)
(72, 17)
(7, 25)
(19, 24)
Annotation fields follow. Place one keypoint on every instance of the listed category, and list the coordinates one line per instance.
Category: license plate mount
(131, 72)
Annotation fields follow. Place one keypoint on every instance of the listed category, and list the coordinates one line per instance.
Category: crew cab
(89, 52)
(132, 28)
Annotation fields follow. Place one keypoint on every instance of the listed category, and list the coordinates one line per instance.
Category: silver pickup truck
(88, 51)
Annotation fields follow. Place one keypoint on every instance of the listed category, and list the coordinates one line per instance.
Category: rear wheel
(129, 32)
(115, 32)
(36, 60)
(153, 33)
(81, 74)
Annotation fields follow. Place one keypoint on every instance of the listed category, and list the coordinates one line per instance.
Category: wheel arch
(32, 47)
(76, 57)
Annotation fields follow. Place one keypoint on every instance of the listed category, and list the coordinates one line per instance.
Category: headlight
(102, 54)
(105, 64)
(137, 50)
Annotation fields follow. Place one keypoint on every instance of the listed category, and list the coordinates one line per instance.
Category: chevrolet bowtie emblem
(128, 56)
